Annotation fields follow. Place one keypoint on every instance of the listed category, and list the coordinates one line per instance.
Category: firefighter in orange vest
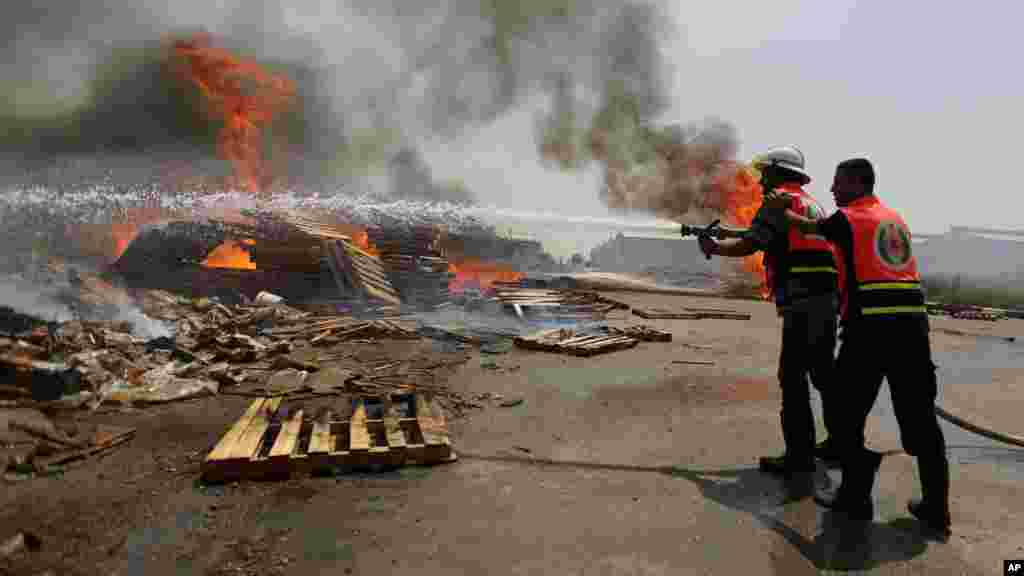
(885, 335)
(802, 275)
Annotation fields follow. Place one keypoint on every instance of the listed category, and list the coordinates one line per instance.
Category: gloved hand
(708, 246)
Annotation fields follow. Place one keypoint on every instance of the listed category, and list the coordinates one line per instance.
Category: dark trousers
(808, 349)
(898, 350)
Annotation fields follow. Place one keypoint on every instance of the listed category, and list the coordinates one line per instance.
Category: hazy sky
(930, 92)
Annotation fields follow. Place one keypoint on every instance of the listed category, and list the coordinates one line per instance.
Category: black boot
(775, 465)
(853, 498)
(932, 510)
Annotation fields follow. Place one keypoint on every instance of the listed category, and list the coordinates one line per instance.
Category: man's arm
(732, 247)
(724, 232)
(781, 201)
(806, 225)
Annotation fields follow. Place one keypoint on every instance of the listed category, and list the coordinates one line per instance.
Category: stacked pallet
(419, 274)
(351, 266)
(268, 442)
(566, 341)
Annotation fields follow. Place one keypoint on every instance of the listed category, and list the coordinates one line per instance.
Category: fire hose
(541, 461)
(978, 429)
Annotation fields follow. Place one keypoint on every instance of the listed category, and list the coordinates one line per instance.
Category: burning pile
(414, 266)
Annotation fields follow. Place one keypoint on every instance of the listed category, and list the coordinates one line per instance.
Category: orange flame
(244, 95)
(741, 198)
(232, 255)
(362, 240)
(470, 273)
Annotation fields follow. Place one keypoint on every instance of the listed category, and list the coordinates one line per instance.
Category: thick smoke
(381, 77)
(673, 171)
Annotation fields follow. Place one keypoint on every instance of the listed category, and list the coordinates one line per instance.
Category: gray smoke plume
(377, 78)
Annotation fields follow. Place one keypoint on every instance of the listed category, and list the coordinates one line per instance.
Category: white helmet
(788, 157)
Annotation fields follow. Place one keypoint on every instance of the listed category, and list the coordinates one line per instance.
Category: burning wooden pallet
(267, 442)
(566, 341)
(354, 267)
(689, 314)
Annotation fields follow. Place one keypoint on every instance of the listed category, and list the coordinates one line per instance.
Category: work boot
(853, 498)
(934, 517)
(783, 465)
(798, 485)
(775, 465)
(827, 452)
(932, 510)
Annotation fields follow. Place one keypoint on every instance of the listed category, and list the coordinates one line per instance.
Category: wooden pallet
(382, 432)
(567, 342)
(642, 333)
(689, 314)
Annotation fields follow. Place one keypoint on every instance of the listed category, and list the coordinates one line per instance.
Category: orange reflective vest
(885, 278)
(810, 261)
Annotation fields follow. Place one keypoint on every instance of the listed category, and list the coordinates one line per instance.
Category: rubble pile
(213, 346)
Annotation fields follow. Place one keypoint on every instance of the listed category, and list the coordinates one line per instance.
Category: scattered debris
(272, 442)
(43, 381)
(966, 311)
(497, 347)
(567, 341)
(641, 332)
(39, 446)
(696, 362)
(267, 299)
(689, 314)
(20, 542)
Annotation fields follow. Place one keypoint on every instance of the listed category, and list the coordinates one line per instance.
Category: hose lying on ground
(981, 430)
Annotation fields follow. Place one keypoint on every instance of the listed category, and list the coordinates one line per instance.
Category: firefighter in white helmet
(803, 278)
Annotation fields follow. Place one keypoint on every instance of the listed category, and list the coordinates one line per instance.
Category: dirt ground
(627, 463)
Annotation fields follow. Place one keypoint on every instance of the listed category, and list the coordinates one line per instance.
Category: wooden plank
(283, 459)
(376, 293)
(375, 272)
(580, 340)
(249, 442)
(341, 275)
(607, 341)
(359, 436)
(434, 429)
(394, 433)
(320, 440)
(286, 441)
(227, 442)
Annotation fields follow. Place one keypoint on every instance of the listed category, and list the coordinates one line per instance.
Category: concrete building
(971, 252)
(635, 254)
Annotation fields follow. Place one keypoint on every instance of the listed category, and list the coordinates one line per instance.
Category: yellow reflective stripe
(799, 269)
(895, 310)
(891, 286)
